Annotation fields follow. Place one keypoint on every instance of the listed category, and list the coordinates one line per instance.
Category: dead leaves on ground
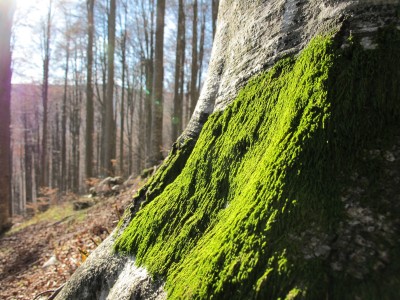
(43, 256)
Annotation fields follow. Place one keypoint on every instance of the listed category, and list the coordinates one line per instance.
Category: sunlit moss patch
(264, 171)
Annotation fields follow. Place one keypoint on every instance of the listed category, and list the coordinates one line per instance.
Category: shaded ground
(40, 254)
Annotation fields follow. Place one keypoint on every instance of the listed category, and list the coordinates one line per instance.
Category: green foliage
(265, 170)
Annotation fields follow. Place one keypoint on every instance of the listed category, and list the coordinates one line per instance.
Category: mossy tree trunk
(271, 191)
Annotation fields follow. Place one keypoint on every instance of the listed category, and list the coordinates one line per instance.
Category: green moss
(265, 170)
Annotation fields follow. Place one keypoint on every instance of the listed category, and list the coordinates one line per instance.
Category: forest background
(101, 88)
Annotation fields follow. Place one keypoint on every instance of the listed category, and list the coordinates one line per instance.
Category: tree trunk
(45, 91)
(195, 65)
(28, 163)
(56, 179)
(129, 122)
(147, 60)
(75, 124)
(149, 70)
(122, 111)
(109, 136)
(6, 15)
(141, 131)
(89, 93)
(201, 49)
(214, 12)
(262, 196)
(157, 91)
(177, 118)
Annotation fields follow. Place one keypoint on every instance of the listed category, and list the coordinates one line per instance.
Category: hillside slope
(40, 253)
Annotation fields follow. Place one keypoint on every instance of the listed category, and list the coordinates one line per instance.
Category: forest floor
(38, 255)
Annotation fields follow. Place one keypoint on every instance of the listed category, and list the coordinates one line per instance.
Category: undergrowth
(268, 168)
(53, 214)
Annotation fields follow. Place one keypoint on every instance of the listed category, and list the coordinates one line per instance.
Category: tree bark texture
(201, 52)
(109, 136)
(89, 92)
(45, 95)
(177, 117)
(195, 63)
(147, 52)
(64, 183)
(157, 91)
(122, 111)
(6, 15)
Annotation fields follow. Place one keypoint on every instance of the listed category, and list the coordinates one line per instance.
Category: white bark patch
(131, 279)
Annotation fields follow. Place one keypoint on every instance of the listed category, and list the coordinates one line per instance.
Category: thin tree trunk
(63, 183)
(55, 165)
(109, 136)
(201, 50)
(187, 103)
(27, 157)
(45, 91)
(148, 61)
(122, 112)
(104, 67)
(157, 95)
(129, 118)
(148, 107)
(195, 67)
(141, 128)
(179, 72)
(75, 124)
(89, 93)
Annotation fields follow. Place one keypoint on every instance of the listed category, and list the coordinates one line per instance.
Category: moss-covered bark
(255, 210)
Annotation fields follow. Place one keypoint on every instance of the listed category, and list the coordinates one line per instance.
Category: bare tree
(45, 91)
(75, 118)
(177, 117)
(201, 50)
(157, 93)
(195, 66)
(6, 14)
(123, 45)
(89, 91)
(147, 60)
(109, 134)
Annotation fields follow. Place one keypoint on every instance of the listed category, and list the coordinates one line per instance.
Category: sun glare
(36, 7)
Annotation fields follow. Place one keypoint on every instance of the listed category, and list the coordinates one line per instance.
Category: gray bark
(109, 135)
(179, 73)
(45, 90)
(157, 90)
(106, 275)
(195, 63)
(89, 92)
(122, 111)
(252, 35)
(6, 14)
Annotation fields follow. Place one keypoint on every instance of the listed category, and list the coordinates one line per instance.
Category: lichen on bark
(269, 168)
